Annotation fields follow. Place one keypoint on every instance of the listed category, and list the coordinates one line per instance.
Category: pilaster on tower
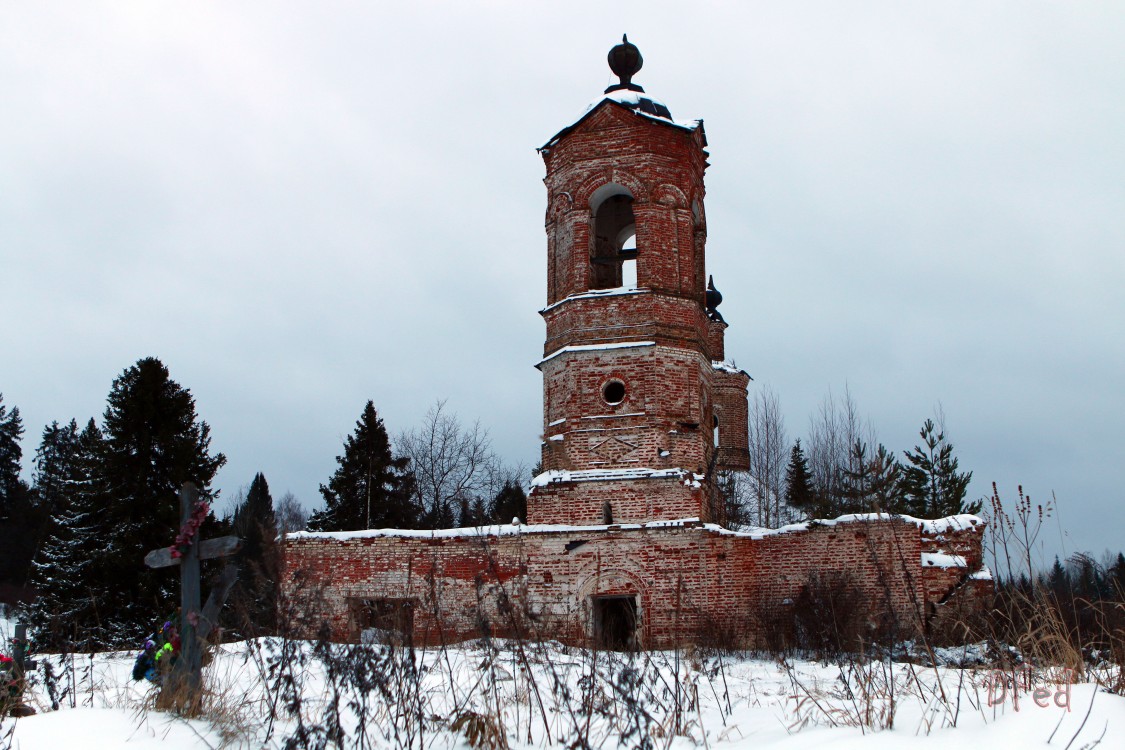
(640, 408)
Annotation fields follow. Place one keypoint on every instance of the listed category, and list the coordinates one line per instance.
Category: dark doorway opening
(389, 621)
(615, 622)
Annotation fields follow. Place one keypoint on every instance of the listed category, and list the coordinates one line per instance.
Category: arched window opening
(716, 421)
(629, 263)
(614, 229)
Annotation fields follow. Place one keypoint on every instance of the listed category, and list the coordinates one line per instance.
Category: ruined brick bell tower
(640, 411)
(640, 408)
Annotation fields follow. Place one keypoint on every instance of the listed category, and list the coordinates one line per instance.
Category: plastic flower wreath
(187, 534)
(11, 689)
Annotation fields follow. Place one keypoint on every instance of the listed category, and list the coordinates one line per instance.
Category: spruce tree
(20, 514)
(934, 487)
(54, 463)
(12, 489)
(64, 613)
(154, 442)
(254, 598)
(887, 494)
(874, 485)
(1058, 581)
(472, 513)
(370, 488)
(799, 492)
(510, 502)
(1117, 576)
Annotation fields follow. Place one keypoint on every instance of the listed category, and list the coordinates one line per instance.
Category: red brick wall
(666, 408)
(643, 316)
(959, 536)
(661, 166)
(716, 345)
(673, 395)
(729, 389)
(632, 501)
(540, 583)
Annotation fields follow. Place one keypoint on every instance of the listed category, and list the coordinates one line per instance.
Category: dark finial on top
(714, 299)
(625, 60)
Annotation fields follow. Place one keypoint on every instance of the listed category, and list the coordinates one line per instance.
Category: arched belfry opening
(614, 253)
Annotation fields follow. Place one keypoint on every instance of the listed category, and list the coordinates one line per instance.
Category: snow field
(497, 694)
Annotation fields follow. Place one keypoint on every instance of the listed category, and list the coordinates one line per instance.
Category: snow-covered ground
(546, 695)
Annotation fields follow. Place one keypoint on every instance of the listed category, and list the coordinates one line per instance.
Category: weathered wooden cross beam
(195, 623)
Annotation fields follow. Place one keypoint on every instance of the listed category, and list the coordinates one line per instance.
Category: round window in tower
(613, 392)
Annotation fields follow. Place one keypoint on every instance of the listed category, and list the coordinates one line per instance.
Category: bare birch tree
(769, 448)
(834, 431)
(291, 515)
(453, 464)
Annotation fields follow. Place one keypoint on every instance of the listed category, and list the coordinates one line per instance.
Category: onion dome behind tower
(714, 299)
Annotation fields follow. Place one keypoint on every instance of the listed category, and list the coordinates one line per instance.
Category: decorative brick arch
(613, 580)
(670, 195)
(584, 191)
(559, 204)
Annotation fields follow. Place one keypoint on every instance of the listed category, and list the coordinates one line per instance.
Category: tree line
(103, 495)
(841, 468)
(444, 475)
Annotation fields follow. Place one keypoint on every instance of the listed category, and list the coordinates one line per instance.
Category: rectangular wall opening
(615, 623)
(384, 620)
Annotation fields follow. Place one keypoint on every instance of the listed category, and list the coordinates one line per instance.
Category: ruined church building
(625, 543)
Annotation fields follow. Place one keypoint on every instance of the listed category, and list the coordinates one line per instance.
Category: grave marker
(195, 623)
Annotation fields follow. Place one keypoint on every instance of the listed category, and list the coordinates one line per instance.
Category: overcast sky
(302, 206)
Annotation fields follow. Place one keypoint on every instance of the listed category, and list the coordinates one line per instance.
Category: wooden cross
(19, 668)
(19, 650)
(195, 624)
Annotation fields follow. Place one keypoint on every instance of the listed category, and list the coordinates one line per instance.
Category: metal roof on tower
(625, 60)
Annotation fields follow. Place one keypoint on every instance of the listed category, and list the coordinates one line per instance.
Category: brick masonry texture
(672, 396)
(686, 578)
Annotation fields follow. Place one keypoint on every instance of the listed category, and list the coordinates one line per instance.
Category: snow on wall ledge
(608, 475)
(683, 575)
(951, 524)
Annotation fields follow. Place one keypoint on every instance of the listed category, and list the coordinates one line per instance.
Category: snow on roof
(959, 522)
(605, 475)
(984, 574)
(594, 347)
(593, 293)
(936, 559)
(942, 560)
(630, 100)
(725, 366)
(624, 96)
(486, 531)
